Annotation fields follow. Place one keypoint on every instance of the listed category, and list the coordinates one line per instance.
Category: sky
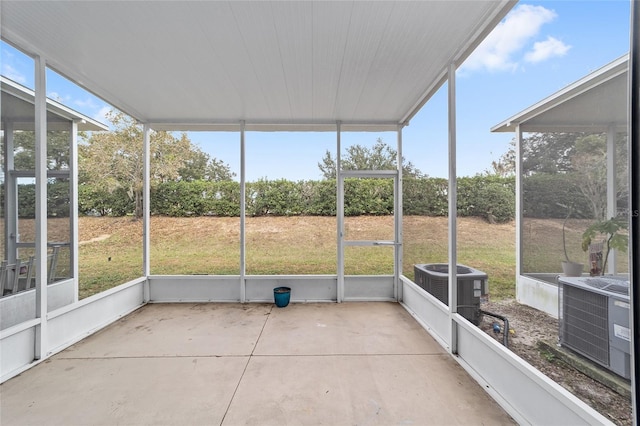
(538, 48)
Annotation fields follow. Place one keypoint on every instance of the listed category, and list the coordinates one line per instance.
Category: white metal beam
(519, 203)
(41, 205)
(243, 216)
(612, 199)
(146, 204)
(453, 209)
(10, 196)
(340, 215)
(397, 285)
(633, 129)
(74, 247)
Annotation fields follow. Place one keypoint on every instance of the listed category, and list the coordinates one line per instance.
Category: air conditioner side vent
(585, 323)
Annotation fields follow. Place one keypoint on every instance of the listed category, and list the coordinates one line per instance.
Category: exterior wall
(259, 288)
(194, 288)
(368, 288)
(431, 313)
(21, 307)
(539, 294)
(73, 323)
(304, 288)
(17, 349)
(66, 326)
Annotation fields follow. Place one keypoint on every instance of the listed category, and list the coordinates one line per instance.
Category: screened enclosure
(338, 69)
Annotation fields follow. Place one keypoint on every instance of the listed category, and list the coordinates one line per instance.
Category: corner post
(453, 209)
(633, 124)
(612, 208)
(74, 248)
(146, 204)
(243, 216)
(398, 259)
(41, 206)
(519, 203)
(340, 214)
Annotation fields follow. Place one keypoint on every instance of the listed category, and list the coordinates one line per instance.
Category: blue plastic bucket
(282, 296)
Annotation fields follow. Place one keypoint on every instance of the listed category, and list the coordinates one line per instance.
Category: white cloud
(543, 50)
(13, 74)
(55, 96)
(87, 103)
(101, 115)
(509, 37)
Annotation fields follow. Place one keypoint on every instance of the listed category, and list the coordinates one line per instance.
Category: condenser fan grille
(585, 323)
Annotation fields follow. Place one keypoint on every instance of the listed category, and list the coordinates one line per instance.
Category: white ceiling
(591, 104)
(277, 65)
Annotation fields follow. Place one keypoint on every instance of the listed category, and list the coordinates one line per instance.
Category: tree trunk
(138, 199)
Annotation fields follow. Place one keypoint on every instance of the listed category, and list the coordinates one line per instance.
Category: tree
(218, 171)
(581, 157)
(200, 166)
(195, 166)
(541, 153)
(113, 160)
(548, 152)
(379, 157)
(504, 167)
(58, 149)
(589, 163)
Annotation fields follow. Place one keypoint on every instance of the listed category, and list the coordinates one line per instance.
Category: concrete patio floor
(252, 364)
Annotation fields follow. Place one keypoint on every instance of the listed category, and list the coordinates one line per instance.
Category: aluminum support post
(340, 213)
(10, 199)
(634, 195)
(74, 247)
(397, 284)
(146, 209)
(41, 206)
(453, 209)
(519, 204)
(243, 216)
(612, 199)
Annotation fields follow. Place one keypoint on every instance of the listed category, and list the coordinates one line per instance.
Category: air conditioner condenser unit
(594, 320)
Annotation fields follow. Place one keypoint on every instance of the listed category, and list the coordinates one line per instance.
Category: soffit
(18, 109)
(591, 104)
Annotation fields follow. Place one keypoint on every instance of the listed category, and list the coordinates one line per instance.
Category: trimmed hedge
(484, 196)
(104, 203)
(58, 200)
(196, 198)
(546, 195)
(425, 197)
(489, 197)
(287, 198)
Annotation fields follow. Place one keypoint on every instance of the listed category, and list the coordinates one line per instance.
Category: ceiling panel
(285, 64)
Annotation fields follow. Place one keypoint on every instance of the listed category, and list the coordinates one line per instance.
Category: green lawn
(111, 248)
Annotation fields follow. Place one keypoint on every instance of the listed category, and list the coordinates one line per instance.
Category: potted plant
(614, 235)
(570, 268)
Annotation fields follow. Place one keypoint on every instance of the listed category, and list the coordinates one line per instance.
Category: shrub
(486, 196)
(496, 203)
(92, 201)
(425, 196)
(547, 195)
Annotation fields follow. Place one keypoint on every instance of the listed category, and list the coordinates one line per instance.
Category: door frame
(397, 219)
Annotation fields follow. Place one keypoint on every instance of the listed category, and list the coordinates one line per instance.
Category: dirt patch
(95, 239)
(95, 227)
(531, 326)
